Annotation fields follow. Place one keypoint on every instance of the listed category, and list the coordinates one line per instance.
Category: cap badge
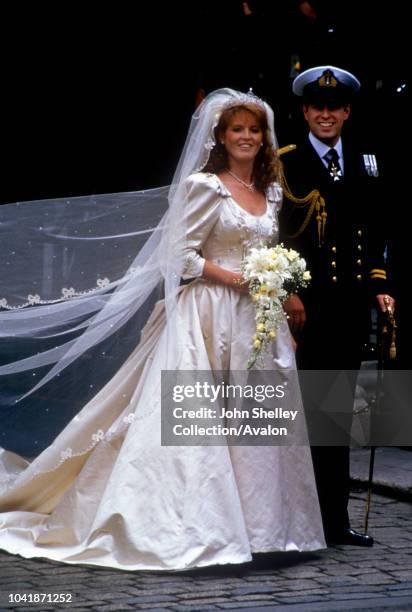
(327, 79)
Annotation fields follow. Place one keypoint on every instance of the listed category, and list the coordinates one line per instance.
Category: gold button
(333, 264)
(335, 279)
(359, 232)
(359, 277)
(333, 249)
(359, 262)
(359, 247)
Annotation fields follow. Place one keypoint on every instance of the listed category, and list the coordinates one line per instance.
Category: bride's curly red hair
(266, 164)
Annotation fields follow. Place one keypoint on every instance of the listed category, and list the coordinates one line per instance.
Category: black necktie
(334, 168)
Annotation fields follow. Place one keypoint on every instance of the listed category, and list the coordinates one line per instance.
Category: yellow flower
(260, 327)
(263, 289)
(292, 255)
(257, 344)
(307, 276)
(272, 334)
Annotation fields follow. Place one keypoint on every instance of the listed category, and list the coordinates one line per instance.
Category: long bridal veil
(79, 279)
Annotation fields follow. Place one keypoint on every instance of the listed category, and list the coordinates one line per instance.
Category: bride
(106, 491)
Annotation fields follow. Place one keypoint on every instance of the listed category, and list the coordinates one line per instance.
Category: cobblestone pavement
(340, 578)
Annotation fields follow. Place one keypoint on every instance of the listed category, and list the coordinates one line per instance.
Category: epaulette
(286, 149)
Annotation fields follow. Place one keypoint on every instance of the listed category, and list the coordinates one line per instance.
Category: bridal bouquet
(273, 274)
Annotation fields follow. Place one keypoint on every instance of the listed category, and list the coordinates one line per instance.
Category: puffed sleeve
(202, 208)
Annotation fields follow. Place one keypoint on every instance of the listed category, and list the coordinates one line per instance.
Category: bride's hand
(240, 284)
(217, 274)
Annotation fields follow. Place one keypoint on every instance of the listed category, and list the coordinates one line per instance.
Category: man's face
(326, 123)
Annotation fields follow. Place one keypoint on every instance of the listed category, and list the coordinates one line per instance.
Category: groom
(329, 215)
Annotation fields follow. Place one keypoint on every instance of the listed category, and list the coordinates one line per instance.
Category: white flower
(3, 303)
(292, 255)
(98, 436)
(209, 144)
(273, 274)
(103, 282)
(33, 299)
(67, 293)
(66, 454)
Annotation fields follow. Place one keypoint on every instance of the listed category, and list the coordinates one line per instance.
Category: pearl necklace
(250, 186)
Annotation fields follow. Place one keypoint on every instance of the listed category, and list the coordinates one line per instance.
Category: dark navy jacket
(346, 261)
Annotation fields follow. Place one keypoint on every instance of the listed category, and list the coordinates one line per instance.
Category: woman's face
(242, 138)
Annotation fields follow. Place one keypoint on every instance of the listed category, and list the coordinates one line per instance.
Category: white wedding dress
(107, 493)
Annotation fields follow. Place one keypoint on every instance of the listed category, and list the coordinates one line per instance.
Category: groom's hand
(295, 312)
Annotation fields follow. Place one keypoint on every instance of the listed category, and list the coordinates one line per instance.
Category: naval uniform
(338, 231)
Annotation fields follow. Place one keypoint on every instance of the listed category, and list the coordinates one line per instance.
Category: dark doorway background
(97, 100)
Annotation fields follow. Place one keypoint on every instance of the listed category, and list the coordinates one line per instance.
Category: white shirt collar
(321, 148)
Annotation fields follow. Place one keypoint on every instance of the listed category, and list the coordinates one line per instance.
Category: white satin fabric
(127, 502)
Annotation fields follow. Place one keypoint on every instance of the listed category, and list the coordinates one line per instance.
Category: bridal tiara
(244, 98)
(237, 99)
(234, 98)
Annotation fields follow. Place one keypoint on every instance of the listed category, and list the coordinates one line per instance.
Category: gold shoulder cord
(313, 198)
